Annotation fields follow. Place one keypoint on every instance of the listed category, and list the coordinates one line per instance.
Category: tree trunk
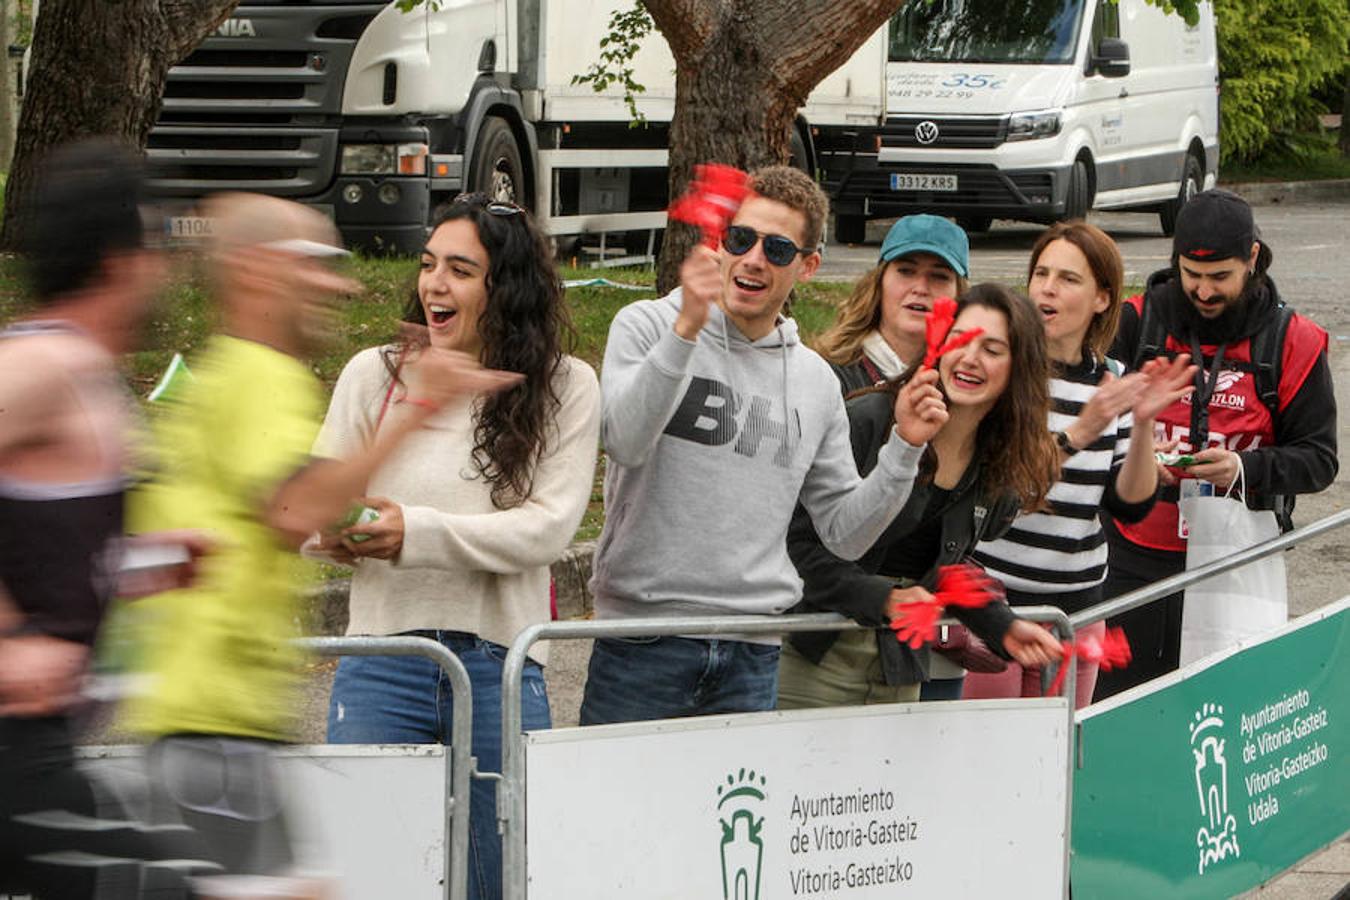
(8, 110)
(1345, 116)
(743, 69)
(98, 67)
(727, 110)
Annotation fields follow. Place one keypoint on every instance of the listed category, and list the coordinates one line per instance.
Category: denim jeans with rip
(407, 700)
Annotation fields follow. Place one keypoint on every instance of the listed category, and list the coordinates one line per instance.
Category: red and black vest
(1238, 419)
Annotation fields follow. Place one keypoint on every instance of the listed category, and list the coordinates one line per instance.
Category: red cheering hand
(963, 585)
(1112, 651)
(710, 203)
(936, 328)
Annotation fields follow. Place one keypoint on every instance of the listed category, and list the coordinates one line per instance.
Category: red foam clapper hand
(711, 201)
(936, 328)
(963, 585)
(1111, 651)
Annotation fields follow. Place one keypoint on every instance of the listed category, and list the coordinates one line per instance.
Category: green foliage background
(1273, 54)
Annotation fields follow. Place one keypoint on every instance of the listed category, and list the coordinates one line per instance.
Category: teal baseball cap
(928, 234)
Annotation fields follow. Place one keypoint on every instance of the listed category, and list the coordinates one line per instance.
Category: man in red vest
(1263, 403)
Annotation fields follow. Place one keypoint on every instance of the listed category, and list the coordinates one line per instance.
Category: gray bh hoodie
(711, 444)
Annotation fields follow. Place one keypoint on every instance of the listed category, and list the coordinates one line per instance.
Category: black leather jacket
(860, 589)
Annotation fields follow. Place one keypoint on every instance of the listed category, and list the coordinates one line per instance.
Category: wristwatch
(1064, 444)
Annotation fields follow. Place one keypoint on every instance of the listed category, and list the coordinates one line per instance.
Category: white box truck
(376, 115)
(1036, 110)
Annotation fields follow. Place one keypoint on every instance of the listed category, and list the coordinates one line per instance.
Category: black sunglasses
(740, 239)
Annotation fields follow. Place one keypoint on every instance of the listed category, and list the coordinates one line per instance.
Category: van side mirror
(1112, 59)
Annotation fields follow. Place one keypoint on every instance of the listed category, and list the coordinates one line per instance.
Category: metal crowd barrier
(1159, 589)
(460, 763)
(511, 787)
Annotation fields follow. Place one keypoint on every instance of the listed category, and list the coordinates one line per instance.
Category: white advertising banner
(907, 800)
(370, 817)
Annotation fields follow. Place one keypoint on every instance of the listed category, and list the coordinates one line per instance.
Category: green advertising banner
(1223, 775)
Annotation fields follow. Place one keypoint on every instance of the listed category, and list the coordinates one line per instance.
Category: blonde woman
(881, 325)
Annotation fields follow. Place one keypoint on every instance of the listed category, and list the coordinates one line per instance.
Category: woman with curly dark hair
(472, 509)
(981, 412)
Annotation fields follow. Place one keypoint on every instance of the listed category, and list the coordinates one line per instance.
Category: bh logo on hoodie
(710, 414)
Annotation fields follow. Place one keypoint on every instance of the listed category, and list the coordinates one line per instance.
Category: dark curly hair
(1013, 444)
(524, 328)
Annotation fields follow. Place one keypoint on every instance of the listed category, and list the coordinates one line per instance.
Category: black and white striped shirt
(1059, 556)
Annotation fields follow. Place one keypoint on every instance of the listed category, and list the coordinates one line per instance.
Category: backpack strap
(1152, 340)
(1267, 353)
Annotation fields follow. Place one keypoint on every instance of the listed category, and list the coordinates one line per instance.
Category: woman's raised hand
(1168, 381)
(1113, 397)
(440, 376)
(920, 408)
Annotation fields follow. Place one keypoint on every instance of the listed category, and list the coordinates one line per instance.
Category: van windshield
(987, 31)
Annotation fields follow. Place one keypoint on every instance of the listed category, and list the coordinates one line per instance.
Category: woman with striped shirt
(1103, 425)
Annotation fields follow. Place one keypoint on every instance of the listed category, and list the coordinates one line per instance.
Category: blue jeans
(406, 700)
(639, 679)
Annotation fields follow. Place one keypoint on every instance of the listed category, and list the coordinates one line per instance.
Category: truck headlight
(1033, 125)
(384, 159)
(369, 159)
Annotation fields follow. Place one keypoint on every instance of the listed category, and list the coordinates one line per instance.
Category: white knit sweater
(465, 565)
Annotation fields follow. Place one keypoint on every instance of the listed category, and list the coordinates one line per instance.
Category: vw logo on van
(926, 132)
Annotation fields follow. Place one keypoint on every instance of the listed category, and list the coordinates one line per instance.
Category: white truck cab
(376, 116)
(1034, 111)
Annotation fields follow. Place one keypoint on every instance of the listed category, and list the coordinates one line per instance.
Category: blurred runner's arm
(319, 493)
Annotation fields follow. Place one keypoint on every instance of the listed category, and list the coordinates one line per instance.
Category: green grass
(1313, 156)
(184, 318)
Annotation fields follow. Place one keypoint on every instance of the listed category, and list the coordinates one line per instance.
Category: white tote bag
(1222, 610)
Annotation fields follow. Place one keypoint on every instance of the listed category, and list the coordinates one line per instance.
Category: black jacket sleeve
(1122, 510)
(1127, 336)
(1303, 458)
(831, 584)
(991, 622)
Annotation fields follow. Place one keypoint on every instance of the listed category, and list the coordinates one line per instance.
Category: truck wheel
(1192, 176)
(1076, 199)
(635, 242)
(799, 158)
(850, 229)
(497, 169)
(974, 224)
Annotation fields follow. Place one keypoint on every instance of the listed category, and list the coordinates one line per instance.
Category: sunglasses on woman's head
(488, 205)
(740, 240)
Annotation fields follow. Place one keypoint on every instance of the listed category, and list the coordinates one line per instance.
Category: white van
(1034, 109)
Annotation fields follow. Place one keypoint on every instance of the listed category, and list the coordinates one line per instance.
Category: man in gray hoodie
(716, 421)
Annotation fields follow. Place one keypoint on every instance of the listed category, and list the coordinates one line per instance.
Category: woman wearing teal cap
(881, 326)
(880, 331)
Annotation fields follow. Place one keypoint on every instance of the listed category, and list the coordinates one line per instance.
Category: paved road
(1312, 257)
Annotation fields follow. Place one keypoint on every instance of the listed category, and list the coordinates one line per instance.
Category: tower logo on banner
(739, 800)
(1217, 837)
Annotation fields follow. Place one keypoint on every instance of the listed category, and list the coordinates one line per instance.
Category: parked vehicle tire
(850, 229)
(497, 168)
(1192, 178)
(635, 242)
(1076, 200)
(799, 159)
(974, 224)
